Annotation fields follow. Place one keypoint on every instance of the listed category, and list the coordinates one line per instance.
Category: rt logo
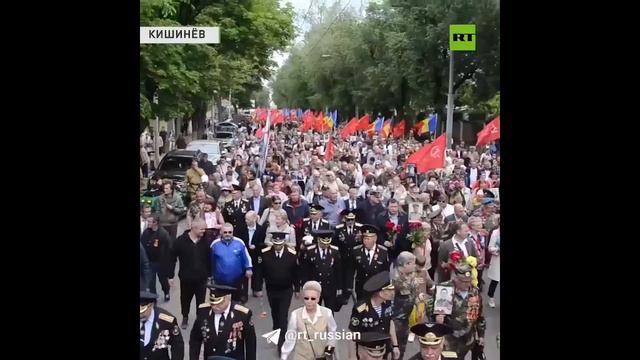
(462, 37)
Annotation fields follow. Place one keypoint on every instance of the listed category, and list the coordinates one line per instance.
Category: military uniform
(233, 212)
(346, 239)
(365, 270)
(308, 226)
(431, 335)
(407, 290)
(324, 268)
(372, 345)
(236, 336)
(165, 335)
(281, 277)
(466, 320)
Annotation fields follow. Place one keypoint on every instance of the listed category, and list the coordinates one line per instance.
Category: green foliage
(186, 77)
(393, 58)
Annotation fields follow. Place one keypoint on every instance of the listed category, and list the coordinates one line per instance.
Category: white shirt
(473, 174)
(148, 326)
(279, 253)
(352, 204)
(251, 230)
(290, 343)
(371, 253)
(143, 225)
(460, 246)
(448, 210)
(216, 318)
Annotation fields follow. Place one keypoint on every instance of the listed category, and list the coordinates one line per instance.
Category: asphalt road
(263, 325)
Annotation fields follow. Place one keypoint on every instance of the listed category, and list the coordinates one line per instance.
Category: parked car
(209, 147)
(174, 166)
(225, 138)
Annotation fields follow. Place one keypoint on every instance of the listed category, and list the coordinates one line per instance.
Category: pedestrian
(196, 207)
(193, 179)
(157, 244)
(144, 161)
(257, 202)
(375, 312)
(431, 338)
(160, 336)
(225, 327)
(297, 209)
(145, 213)
(332, 208)
(322, 263)
(369, 258)
(314, 320)
(437, 237)
(235, 209)
(494, 267)
(280, 225)
(231, 262)
(348, 235)
(253, 236)
(207, 165)
(466, 319)
(459, 241)
(371, 208)
(278, 266)
(195, 265)
(169, 207)
(394, 218)
(478, 237)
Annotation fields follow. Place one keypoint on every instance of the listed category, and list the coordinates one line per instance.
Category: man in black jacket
(370, 208)
(394, 216)
(253, 236)
(157, 243)
(195, 267)
(145, 269)
(207, 165)
(352, 202)
(159, 332)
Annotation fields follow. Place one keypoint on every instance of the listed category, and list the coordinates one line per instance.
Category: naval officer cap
(218, 292)
(374, 342)
(277, 238)
(368, 229)
(323, 236)
(379, 281)
(430, 334)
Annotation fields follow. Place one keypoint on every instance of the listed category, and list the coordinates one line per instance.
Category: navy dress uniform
(234, 210)
(365, 317)
(230, 333)
(159, 331)
(313, 223)
(372, 345)
(368, 262)
(322, 263)
(346, 238)
(278, 266)
(431, 338)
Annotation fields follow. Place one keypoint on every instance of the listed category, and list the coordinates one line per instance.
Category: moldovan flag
(398, 130)
(386, 128)
(430, 156)
(328, 153)
(491, 132)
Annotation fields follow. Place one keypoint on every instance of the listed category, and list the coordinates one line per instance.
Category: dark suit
(327, 271)
(402, 243)
(264, 204)
(347, 204)
(145, 269)
(204, 331)
(235, 214)
(164, 331)
(258, 241)
(365, 270)
(368, 213)
(443, 257)
(452, 218)
(467, 176)
(346, 243)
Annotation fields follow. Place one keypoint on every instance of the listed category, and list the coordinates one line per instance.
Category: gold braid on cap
(430, 339)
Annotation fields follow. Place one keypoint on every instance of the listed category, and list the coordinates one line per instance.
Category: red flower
(389, 226)
(413, 226)
(398, 228)
(455, 256)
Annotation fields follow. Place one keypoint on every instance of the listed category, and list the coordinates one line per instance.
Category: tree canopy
(395, 57)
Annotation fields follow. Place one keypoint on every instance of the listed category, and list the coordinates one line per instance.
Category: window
(176, 164)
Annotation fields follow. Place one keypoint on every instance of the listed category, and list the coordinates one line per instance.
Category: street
(263, 325)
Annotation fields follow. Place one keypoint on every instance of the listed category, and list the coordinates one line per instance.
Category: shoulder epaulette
(204, 305)
(358, 224)
(165, 317)
(362, 307)
(449, 354)
(334, 247)
(241, 308)
(266, 249)
(357, 247)
(382, 247)
(324, 221)
(311, 247)
(306, 219)
(339, 226)
(291, 250)
(245, 200)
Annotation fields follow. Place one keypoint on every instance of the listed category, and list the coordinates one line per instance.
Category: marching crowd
(326, 225)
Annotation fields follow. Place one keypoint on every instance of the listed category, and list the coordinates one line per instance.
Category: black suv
(174, 166)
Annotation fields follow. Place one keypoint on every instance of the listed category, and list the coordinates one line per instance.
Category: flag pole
(450, 103)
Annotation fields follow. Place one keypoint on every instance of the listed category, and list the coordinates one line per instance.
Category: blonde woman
(314, 320)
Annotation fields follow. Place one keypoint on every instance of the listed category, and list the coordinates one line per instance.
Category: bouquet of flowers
(392, 231)
(298, 225)
(416, 234)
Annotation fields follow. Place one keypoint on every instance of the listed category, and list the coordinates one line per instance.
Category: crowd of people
(330, 225)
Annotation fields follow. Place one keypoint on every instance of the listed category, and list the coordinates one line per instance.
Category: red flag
(276, 117)
(328, 153)
(363, 123)
(349, 129)
(430, 156)
(491, 132)
(259, 133)
(398, 130)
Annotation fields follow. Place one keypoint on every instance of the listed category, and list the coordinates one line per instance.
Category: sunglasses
(227, 232)
(310, 298)
(276, 203)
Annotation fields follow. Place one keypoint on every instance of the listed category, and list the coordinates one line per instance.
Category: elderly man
(231, 262)
(257, 202)
(459, 215)
(431, 338)
(253, 236)
(332, 208)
